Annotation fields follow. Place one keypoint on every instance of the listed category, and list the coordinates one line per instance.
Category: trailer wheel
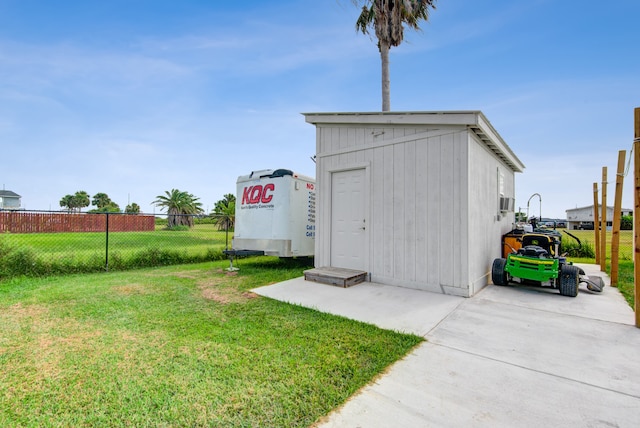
(498, 274)
(569, 281)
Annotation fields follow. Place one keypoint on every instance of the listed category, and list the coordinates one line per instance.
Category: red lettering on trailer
(256, 194)
(245, 195)
(310, 186)
(266, 199)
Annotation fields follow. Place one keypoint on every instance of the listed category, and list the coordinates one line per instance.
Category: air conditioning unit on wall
(507, 204)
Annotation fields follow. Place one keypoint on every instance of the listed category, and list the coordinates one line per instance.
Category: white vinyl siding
(433, 213)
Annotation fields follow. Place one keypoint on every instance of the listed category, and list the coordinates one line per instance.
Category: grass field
(195, 240)
(178, 346)
(59, 253)
(64, 253)
(625, 263)
(588, 236)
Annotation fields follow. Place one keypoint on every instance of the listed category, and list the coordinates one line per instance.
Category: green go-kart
(538, 263)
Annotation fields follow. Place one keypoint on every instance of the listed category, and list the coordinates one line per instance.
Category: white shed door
(348, 227)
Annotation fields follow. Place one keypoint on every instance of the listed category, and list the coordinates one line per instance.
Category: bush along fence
(53, 243)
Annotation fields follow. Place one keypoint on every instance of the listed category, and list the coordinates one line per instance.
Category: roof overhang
(474, 120)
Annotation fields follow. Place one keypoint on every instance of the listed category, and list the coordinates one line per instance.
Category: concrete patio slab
(510, 356)
(392, 308)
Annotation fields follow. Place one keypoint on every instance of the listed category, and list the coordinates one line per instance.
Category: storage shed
(415, 199)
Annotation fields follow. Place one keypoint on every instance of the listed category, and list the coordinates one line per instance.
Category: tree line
(180, 206)
(102, 202)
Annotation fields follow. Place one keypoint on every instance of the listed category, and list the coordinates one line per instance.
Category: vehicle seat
(539, 240)
(533, 251)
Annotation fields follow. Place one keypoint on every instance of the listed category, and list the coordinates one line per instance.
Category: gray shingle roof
(9, 194)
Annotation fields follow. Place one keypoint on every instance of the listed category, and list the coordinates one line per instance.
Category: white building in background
(583, 217)
(415, 199)
(9, 200)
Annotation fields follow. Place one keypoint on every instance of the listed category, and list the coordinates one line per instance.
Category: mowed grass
(186, 345)
(197, 239)
(625, 261)
(46, 254)
(625, 251)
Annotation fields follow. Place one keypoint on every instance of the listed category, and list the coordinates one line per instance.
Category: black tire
(498, 274)
(569, 280)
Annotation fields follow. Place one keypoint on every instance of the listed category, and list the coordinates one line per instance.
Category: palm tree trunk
(386, 96)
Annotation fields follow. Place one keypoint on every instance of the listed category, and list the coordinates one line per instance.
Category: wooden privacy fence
(46, 222)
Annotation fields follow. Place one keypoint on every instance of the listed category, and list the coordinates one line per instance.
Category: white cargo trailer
(275, 214)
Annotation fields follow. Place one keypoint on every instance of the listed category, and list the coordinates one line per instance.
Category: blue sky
(135, 97)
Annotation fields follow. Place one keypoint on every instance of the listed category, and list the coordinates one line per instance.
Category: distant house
(9, 200)
(582, 218)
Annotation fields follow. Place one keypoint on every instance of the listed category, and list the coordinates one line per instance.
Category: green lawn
(187, 345)
(45, 254)
(197, 239)
(588, 236)
(625, 280)
(625, 262)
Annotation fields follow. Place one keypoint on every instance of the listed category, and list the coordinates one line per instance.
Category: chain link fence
(582, 243)
(41, 243)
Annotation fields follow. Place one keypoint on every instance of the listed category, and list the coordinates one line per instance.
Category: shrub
(177, 228)
(214, 255)
(19, 261)
(573, 249)
(205, 220)
(151, 257)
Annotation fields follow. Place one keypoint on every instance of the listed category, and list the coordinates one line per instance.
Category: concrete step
(340, 277)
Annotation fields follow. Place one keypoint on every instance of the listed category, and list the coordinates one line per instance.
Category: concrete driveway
(507, 357)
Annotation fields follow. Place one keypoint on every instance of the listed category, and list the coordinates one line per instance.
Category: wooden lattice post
(603, 222)
(636, 214)
(617, 215)
(596, 223)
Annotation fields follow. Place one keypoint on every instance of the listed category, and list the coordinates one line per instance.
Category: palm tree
(75, 202)
(81, 200)
(387, 17)
(101, 200)
(67, 201)
(224, 213)
(132, 208)
(181, 206)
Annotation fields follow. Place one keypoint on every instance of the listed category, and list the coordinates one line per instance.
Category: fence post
(617, 215)
(226, 236)
(636, 214)
(603, 221)
(106, 251)
(596, 222)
